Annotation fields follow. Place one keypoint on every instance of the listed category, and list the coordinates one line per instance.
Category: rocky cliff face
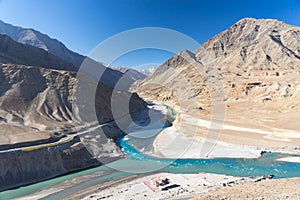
(26, 167)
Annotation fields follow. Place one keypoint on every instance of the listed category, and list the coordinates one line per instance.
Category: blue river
(138, 162)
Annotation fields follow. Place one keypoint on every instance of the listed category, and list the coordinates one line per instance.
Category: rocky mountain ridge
(246, 53)
(263, 44)
(35, 38)
(12, 52)
(252, 69)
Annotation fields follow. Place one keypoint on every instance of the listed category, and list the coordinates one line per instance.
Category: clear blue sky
(82, 24)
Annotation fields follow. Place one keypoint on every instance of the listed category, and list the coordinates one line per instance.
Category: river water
(139, 162)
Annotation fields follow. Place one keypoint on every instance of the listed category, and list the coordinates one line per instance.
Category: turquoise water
(137, 162)
(25, 190)
(265, 165)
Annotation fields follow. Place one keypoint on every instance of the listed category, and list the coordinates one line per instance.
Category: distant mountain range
(31, 37)
(36, 86)
(132, 73)
(147, 71)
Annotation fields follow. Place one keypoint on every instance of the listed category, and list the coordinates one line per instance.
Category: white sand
(208, 124)
(290, 159)
(178, 141)
(173, 144)
(190, 184)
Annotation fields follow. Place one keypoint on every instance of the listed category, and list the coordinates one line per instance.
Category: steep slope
(253, 68)
(38, 102)
(14, 52)
(259, 44)
(40, 40)
(19, 168)
(52, 46)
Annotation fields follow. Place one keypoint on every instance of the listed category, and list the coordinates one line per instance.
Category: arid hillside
(249, 73)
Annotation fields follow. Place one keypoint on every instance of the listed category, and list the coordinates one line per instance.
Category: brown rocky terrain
(251, 71)
(38, 103)
(269, 190)
(37, 110)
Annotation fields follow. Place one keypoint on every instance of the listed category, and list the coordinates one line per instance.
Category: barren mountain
(261, 45)
(38, 102)
(17, 53)
(30, 37)
(35, 38)
(253, 68)
(38, 109)
(132, 73)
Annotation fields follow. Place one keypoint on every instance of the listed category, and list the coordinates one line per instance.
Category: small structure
(155, 183)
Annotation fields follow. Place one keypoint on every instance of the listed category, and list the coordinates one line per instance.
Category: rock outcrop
(26, 167)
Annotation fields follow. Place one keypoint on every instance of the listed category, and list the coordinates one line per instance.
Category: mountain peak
(266, 23)
(186, 54)
(246, 20)
(255, 42)
(254, 20)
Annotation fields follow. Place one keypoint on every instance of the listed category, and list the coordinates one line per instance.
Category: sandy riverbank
(171, 143)
(184, 186)
(190, 137)
(193, 136)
